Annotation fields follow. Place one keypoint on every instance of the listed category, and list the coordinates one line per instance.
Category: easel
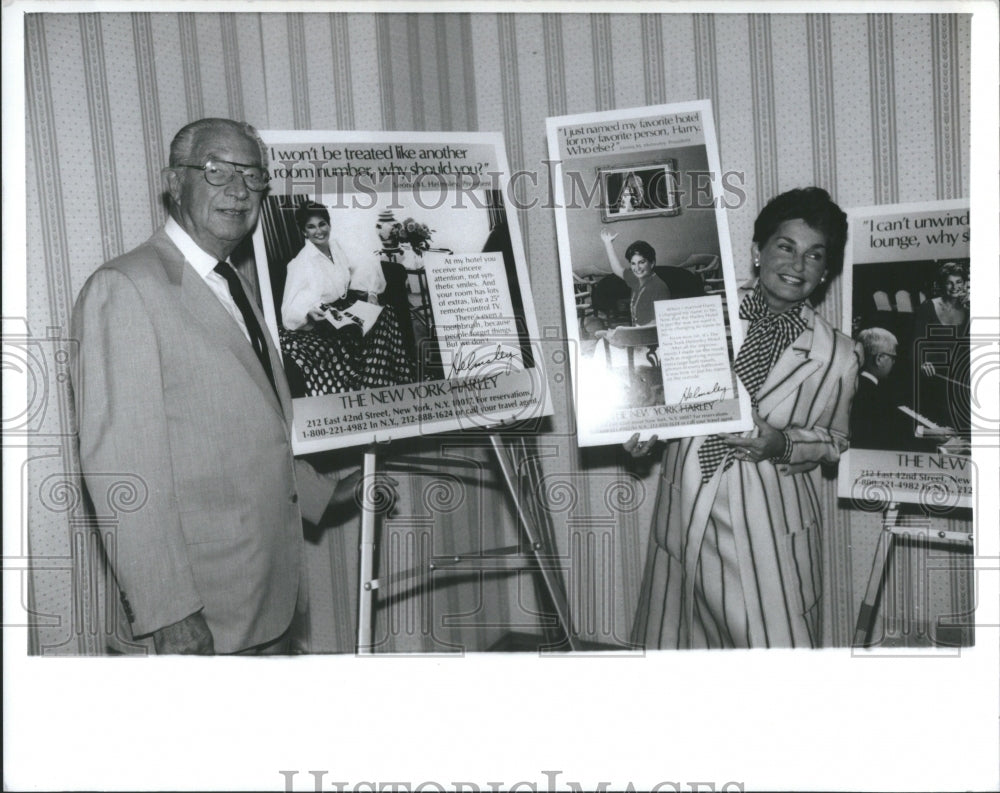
(886, 541)
(539, 559)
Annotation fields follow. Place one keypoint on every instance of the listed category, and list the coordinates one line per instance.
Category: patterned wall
(875, 108)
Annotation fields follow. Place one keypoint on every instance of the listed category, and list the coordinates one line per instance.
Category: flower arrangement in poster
(392, 233)
(417, 235)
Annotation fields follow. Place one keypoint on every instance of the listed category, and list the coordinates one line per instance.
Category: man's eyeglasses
(219, 173)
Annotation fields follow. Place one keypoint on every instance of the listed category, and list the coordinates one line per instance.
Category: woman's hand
(769, 443)
(373, 298)
(609, 251)
(639, 449)
(313, 316)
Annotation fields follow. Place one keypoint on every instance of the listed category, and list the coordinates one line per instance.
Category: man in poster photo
(876, 421)
(176, 383)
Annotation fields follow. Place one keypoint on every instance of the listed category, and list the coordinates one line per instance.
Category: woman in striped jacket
(734, 555)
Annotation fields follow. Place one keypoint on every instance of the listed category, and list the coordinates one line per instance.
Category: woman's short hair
(813, 206)
(310, 209)
(946, 271)
(643, 248)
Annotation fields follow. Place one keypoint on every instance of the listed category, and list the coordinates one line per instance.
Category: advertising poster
(394, 284)
(907, 288)
(647, 273)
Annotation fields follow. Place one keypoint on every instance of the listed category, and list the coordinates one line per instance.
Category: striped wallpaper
(875, 108)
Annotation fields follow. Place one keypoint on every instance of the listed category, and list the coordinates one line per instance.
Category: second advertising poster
(907, 278)
(647, 273)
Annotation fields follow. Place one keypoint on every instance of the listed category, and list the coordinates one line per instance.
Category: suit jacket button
(295, 498)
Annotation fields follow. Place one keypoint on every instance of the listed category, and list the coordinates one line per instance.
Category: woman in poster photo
(329, 360)
(950, 306)
(734, 557)
(640, 276)
(321, 273)
(944, 389)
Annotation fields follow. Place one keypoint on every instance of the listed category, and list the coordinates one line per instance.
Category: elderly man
(178, 384)
(876, 421)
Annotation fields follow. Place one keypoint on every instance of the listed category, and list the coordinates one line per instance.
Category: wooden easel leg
(866, 614)
(552, 583)
(366, 584)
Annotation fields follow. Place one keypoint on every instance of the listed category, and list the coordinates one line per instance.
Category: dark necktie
(253, 327)
(768, 337)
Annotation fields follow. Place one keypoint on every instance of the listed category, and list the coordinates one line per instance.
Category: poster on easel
(647, 273)
(393, 282)
(906, 280)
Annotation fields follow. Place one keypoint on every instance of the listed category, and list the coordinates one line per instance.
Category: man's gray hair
(875, 341)
(184, 141)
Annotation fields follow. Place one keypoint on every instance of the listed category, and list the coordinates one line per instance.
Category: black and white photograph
(458, 397)
(649, 301)
(393, 283)
(640, 190)
(910, 312)
(331, 342)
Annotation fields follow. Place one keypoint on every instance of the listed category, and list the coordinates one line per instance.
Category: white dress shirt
(204, 264)
(312, 279)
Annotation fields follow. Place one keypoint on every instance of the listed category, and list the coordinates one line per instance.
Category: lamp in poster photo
(397, 303)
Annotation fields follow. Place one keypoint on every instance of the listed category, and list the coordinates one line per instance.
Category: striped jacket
(775, 509)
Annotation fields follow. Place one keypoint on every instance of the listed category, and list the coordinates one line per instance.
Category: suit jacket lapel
(810, 350)
(205, 309)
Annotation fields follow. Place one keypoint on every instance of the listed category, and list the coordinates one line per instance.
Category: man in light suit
(176, 384)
